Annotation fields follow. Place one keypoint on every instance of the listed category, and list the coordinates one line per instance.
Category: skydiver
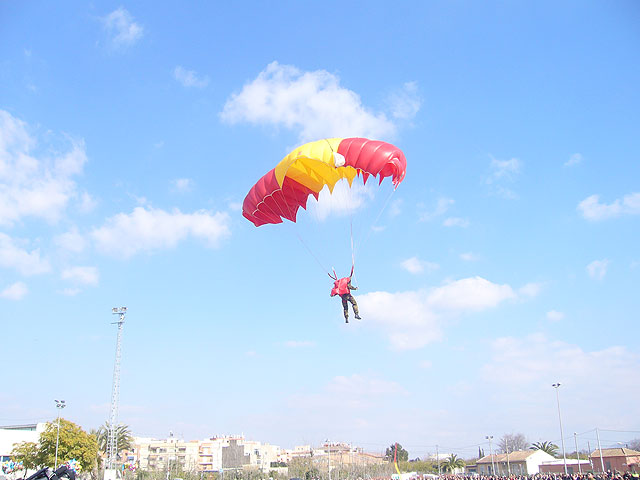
(343, 288)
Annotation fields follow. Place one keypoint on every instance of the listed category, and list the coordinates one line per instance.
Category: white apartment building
(210, 455)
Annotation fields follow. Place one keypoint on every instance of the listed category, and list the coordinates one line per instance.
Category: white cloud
(189, 78)
(70, 292)
(503, 172)
(504, 168)
(147, 230)
(123, 31)
(405, 103)
(81, 275)
(14, 257)
(344, 200)
(416, 318)
(530, 290)
(363, 385)
(469, 257)
(593, 210)
(442, 205)
(299, 343)
(312, 103)
(415, 265)
(15, 291)
(31, 186)
(555, 316)
(598, 269)
(395, 208)
(574, 159)
(72, 241)
(523, 369)
(182, 185)
(456, 222)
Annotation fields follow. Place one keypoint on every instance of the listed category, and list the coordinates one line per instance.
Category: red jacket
(341, 287)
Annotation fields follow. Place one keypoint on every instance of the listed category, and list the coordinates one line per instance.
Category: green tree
(27, 453)
(548, 447)
(74, 443)
(402, 455)
(451, 463)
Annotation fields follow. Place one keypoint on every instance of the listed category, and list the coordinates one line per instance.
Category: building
(573, 466)
(11, 435)
(620, 459)
(211, 455)
(520, 462)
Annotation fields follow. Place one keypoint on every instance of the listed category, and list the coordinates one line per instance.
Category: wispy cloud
(25, 262)
(122, 30)
(182, 185)
(314, 104)
(405, 102)
(189, 78)
(593, 210)
(528, 366)
(501, 174)
(15, 291)
(71, 241)
(574, 159)
(598, 269)
(81, 275)
(456, 222)
(415, 265)
(555, 316)
(299, 344)
(442, 205)
(35, 185)
(469, 257)
(149, 229)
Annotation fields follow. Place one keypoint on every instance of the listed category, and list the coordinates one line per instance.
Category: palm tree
(452, 462)
(548, 447)
(124, 438)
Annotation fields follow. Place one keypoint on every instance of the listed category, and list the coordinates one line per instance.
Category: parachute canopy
(307, 169)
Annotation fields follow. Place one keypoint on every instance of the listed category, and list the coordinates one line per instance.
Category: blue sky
(506, 261)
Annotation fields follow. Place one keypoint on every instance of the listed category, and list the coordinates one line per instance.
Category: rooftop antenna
(112, 442)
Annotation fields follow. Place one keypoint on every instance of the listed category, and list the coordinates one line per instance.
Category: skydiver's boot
(346, 319)
(355, 310)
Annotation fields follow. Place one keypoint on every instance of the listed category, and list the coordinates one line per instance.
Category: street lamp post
(575, 437)
(506, 447)
(60, 404)
(493, 468)
(564, 455)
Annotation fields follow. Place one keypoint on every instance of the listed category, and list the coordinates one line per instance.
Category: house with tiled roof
(620, 459)
(520, 462)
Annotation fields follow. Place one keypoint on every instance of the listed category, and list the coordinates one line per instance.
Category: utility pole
(506, 445)
(112, 442)
(438, 459)
(575, 437)
(493, 468)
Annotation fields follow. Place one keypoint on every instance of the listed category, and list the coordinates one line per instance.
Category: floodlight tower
(112, 441)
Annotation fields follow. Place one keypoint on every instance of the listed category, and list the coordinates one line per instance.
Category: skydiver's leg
(345, 308)
(354, 305)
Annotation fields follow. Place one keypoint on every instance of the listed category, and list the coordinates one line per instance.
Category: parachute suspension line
(386, 203)
(313, 255)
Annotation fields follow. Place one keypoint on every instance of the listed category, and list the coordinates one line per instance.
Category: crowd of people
(608, 475)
